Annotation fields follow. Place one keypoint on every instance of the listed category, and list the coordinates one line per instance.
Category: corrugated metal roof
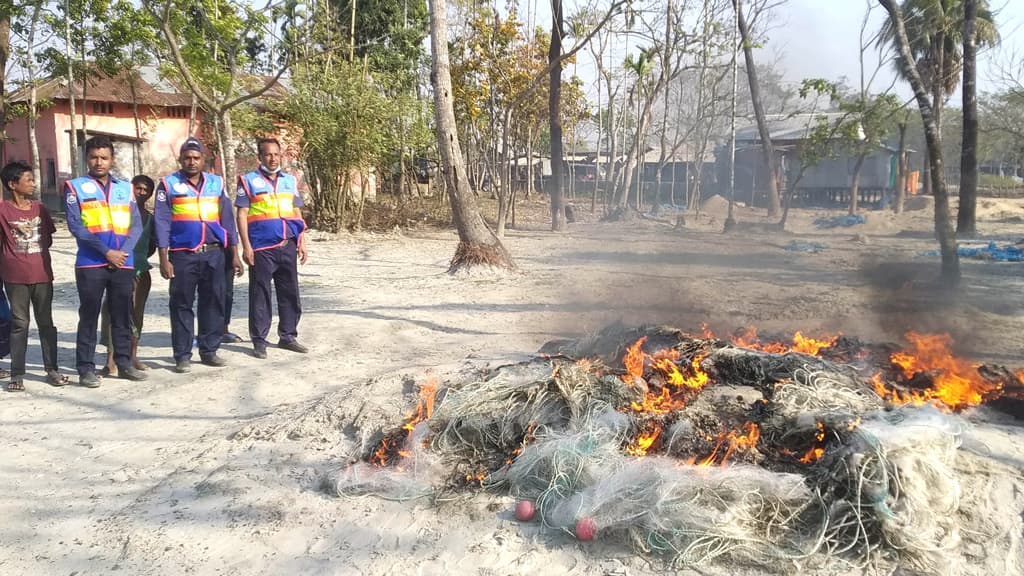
(786, 127)
(151, 89)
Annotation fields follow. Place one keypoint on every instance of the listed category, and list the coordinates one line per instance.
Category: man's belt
(208, 246)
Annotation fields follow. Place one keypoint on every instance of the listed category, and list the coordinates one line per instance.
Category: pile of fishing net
(779, 457)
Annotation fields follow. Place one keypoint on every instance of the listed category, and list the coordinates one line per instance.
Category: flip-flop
(15, 386)
(54, 378)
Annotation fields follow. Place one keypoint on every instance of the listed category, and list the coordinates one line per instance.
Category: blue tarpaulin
(839, 221)
(990, 252)
(993, 252)
(800, 246)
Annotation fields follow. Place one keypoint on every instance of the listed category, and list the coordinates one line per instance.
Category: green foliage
(347, 123)
(925, 20)
(389, 35)
(994, 181)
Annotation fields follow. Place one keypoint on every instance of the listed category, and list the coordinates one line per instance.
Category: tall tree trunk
(597, 158)
(5, 54)
(505, 184)
(943, 226)
(33, 99)
(529, 162)
(768, 151)
(555, 116)
(73, 133)
(477, 244)
(966, 218)
(855, 182)
(192, 115)
(132, 81)
(227, 153)
(86, 74)
(901, 167)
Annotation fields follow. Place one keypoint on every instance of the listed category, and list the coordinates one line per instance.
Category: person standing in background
(143, 186)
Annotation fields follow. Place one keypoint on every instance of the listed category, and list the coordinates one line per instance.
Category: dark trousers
(40, 298)
(92, 284)
(229, 287)
(279, 265)
(203, 271)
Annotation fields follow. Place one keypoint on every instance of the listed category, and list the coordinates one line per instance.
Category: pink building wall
(162, 135)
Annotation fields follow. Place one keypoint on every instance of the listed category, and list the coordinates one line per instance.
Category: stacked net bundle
(496, 414)
(892, 489)
(560, 463)
(741, 366)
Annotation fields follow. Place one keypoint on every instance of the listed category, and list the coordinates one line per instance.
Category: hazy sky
(820, 39)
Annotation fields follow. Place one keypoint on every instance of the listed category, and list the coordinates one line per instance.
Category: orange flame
(664, 363)
(815, 452)
(731, 441)
(955, 382)
(380, 456)
(645, 440)
(747, 338)
(424, 408)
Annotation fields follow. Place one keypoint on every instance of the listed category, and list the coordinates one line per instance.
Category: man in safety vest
(104, 219)
(195, 232)
(271, 227)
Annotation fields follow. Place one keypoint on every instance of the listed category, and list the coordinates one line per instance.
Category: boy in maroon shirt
(26, 233)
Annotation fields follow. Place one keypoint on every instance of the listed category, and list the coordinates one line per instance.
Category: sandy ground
(219, 471)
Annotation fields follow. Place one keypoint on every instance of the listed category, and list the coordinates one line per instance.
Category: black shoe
(260, 351)
(292, 345)
(213, 360)
(230, 338)
(89, 380)
(131, 373)
(183, 366)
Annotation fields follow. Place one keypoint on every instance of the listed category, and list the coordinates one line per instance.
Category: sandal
(55, 378)
(15, 386)
(4, 373)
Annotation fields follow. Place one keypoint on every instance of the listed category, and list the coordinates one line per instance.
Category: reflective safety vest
(108, 217)
(194, 212)
(272, 211)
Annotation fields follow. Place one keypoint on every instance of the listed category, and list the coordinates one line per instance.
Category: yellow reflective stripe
(209, 208)
(281, 205)
(96, 217)
(121, 218)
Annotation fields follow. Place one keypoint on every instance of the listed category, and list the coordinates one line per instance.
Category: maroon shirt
(25, 240)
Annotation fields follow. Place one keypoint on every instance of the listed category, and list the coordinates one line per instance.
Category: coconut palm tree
(935, 30)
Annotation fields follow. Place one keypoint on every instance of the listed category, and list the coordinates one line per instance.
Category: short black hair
(145, 181)
(13, 172)
(262, 141)
(97, 142)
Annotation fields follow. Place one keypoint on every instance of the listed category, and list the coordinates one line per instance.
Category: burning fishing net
(699, 449)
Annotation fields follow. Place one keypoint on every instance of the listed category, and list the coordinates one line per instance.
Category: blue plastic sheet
(993, 252)
(800, 246)
(839, 221)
